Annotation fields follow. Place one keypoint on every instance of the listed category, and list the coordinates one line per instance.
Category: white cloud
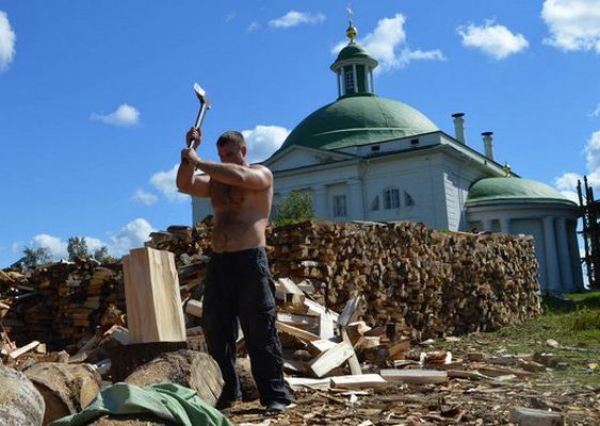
(387, 44)
(132, 235)
(94, 244)
(567, 183)
(496, 41)
(7, 42)
(294, 18)
(144, 197)
(124, 116)
(254, 26)
(57, 247)
(164, 182)
(573, 24)
(595, 113)
(263, 141)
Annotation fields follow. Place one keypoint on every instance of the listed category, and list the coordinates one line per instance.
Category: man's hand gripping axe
(204, 106)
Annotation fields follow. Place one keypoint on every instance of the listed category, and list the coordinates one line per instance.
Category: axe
(204, 105)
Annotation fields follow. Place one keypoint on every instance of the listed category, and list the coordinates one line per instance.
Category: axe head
(201, 94)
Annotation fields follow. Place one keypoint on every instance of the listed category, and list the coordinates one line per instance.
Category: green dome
(513, 188)
(352, 51)
(358, 120)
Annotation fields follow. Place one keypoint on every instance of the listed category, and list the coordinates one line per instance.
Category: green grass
(573, 322)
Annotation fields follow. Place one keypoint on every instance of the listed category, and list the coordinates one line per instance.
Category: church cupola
(354, 68)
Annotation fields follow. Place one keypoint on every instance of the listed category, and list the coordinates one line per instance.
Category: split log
(154, 311)
(66, 388)
(22, 404)
(331, 359)
(195, 370)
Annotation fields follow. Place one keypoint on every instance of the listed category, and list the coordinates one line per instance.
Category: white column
(553, 272)
(505, 225)
(566, 274)
(320, 201)
(356, 210)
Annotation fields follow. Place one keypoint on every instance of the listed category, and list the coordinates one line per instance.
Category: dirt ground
(464, 401)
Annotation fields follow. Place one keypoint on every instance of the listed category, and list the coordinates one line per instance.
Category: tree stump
(195, 370)
(21, 403)
(66, 388)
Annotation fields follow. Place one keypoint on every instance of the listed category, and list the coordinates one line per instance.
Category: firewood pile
(412, 278)
(61, 302)
(438, 283)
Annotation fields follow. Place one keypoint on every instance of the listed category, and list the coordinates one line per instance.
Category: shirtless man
(238, 283)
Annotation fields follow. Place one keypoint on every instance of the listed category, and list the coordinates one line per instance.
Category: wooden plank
(350, 312)
(153, 299)
(23, 349)
(298, 320)
(331, 359)
(353, 360)
(326, 325)
(361, 381)
(319, 346)
(414, 376)
(297, 383)
(297, 332)
(531, 417)
(317, 309)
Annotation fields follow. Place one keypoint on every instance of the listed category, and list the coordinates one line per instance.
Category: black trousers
(239, 286)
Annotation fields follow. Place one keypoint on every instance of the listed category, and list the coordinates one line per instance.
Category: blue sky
(96, 96)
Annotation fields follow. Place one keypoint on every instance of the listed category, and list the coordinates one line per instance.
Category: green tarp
(166, 401)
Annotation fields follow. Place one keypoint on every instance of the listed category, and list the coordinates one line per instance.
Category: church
(367, 158)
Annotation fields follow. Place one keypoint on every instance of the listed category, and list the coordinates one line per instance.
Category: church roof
(358, 120)
(513, 189)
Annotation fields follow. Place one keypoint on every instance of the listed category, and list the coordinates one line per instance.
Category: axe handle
(201, 114)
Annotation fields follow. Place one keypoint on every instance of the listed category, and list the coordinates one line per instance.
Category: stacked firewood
(61, 302)
(412, 278)
(437, 283)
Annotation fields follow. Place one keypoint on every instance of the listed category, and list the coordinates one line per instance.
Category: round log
(21, 403)
(66, 388)
(193, 369)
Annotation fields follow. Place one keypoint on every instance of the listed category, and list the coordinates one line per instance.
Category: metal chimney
(459, 127)
(488, 145)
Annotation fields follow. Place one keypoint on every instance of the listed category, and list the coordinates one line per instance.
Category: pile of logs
(61, 302)
(437, 283)
(429, 282)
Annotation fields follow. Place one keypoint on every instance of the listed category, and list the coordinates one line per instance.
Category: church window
(408, 199)
(375, 204)
(391, 198)
(349, 80)
(339, 206)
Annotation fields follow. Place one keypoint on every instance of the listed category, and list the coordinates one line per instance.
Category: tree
(296, 208)
(38, 256)
(101, 254)
(77, 248)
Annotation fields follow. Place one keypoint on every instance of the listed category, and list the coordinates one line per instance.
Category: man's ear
(244, 150)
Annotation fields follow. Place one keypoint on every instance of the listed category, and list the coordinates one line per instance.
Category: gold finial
(506, 169)
(351, 32)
